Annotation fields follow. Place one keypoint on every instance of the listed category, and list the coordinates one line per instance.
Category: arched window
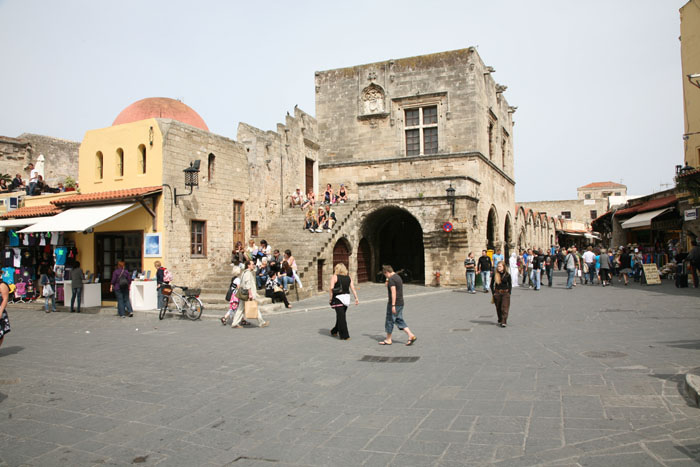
(142, 159)
(98, 165)
(210, 167)
(120, 162)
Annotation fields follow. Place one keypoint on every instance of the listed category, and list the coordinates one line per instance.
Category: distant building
(601, 190)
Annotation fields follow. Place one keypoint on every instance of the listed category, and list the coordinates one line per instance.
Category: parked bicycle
(187, 302)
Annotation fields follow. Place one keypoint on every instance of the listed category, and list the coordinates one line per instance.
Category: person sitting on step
(342, 194)
(321, 220)
(330, 219)
(274, 290)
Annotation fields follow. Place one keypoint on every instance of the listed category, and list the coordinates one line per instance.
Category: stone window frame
(119, 164)
(401, 104)
(594, 213)
(491, 127)
(504, 146)
(211, 167)
(195, 242)
(254, 228)
(586, 196)
(566, 214)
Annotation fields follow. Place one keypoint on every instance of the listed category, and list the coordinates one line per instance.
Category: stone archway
(492, 229)
(507, 236)
(396, 238)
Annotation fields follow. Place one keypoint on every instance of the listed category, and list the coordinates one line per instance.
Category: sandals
(411, 341)
(223, 320)
(384, 342)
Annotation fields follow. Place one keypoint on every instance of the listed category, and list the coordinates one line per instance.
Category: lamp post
(191, 179)
(451, 198)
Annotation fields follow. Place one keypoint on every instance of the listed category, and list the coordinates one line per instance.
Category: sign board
(690, 214)
(447, 227)
(651, 273)
(588, 202)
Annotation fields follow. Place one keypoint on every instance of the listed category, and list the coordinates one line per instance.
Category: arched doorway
(396, 238)
(491, 226)
(341, 253)
(364, 261)
(507, 236)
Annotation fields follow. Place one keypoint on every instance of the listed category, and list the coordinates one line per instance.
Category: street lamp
(191, 179)
(451, 198)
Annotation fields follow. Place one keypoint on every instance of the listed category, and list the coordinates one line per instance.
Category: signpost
(447, 227)
(651, 274)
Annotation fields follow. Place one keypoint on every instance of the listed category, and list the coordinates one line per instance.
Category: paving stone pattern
(591, 376)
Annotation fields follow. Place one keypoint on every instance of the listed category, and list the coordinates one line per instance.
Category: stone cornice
(432, 157)
(414, 180)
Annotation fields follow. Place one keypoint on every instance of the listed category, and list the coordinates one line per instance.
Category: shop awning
(81, 219)
(11, 223)
(592, 236)
(643, 219)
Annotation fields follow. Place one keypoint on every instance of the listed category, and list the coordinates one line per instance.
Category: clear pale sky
(597, 83)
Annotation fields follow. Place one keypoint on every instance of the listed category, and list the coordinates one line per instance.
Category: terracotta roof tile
(115, 195)
(648, 206)
(689, 173)
(32, 211)
(603, 185)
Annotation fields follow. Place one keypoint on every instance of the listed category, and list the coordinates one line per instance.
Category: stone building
(60, 156)
(399, 134)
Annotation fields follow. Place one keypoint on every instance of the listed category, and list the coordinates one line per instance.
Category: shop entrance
(397, 240)
(111, 248)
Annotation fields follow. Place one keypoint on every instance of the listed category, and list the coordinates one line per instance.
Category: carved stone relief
(372, 100)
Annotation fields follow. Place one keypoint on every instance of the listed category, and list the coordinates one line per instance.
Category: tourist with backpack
(120, 285)
(163, 277)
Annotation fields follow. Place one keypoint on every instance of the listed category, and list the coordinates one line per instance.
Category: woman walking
(339, 289)
(247, 293)
(4, 320)
(48, 280)
(625, 265)
(514, 269)
(501, 288)
(120, 285)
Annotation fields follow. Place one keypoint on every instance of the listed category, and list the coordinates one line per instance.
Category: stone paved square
(592, 376)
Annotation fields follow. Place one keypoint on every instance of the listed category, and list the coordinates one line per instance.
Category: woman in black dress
(339, 289)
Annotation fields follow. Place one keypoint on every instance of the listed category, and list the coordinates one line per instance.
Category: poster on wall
(152, 245)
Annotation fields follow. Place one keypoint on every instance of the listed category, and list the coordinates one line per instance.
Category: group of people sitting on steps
(324, 218)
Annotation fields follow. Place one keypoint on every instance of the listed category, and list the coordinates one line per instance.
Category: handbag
(277, 288)
(243, 294)
(251, 310)
(48, 290)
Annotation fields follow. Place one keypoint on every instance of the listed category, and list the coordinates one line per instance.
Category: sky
(597, 83)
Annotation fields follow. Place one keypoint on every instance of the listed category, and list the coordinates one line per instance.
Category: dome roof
(160, 107)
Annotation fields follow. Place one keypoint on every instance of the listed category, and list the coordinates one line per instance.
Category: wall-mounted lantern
(191, 180)
(451, 198)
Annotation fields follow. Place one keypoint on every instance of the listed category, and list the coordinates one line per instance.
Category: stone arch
(395, 237)
(372, 98)
(492, 229)
(508, 241)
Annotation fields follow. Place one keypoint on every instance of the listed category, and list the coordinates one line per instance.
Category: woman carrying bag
(501, 287)
(340, 287)
(48, 280)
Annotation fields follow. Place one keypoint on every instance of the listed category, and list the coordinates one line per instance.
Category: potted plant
(70, 183)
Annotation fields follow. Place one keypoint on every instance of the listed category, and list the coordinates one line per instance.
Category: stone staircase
(285, 232)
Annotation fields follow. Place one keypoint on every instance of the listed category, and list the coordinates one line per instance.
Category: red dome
(160, 107)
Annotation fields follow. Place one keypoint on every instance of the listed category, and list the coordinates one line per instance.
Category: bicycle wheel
(164, 308)
(193, 308)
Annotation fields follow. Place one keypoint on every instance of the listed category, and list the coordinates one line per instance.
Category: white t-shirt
(589, 257)
(33, 175)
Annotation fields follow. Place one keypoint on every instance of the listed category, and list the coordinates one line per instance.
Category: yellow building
(690, 59)
(133, 203)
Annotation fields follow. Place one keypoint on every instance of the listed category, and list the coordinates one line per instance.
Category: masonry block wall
(60, 156)
(580, 209)
(277, 162)
(212, 202)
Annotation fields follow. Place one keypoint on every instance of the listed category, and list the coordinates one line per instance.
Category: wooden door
(341, 253)
(319, 274)
(309, 175)
(364, 261)
(238, 223)
(112, 248)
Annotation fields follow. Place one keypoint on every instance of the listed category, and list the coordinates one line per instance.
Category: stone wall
(580, 209)
(360, 109)
(602, 192)
(211, 202)
(60, 156)
(277, 162)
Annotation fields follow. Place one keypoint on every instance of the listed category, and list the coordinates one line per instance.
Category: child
(233, 301)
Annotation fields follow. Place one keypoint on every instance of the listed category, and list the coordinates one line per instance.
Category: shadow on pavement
(327, 333)
(481, 321)
(5, 351)
(684, 344)
(376, 337)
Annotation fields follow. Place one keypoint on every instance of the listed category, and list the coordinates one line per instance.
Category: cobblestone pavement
(591, 376)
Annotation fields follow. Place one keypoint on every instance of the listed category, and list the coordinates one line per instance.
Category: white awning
(10, 223)
(592, 236)
(81, 219)
(643, 219)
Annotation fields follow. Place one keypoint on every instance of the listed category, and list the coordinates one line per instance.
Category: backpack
(123, 281)
(167, 276)
(232, 289)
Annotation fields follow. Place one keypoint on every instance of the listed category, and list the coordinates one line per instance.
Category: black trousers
(341, 325)
(277, 297)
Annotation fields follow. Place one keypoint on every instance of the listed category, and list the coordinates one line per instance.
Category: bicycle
(187, 303)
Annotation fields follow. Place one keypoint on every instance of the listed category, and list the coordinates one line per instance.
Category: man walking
(537, 260)
(570, 265)
(484, 268)
(589, 260)
(394, 309)
(470, 266)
